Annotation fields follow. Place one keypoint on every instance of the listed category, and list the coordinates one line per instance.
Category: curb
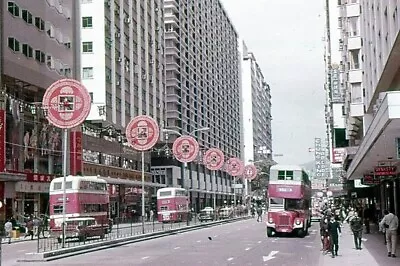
(92, 247)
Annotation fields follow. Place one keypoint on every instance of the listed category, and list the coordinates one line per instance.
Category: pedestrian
(259, 214)
(391, 223)
(8, 229)
(356, 227)
(334, 233)
(323, 229)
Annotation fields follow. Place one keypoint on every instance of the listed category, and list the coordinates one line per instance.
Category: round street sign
(67, 103)
(250, 171)
(213, 159)
(185, 149)
(142, 132)
(235, 167)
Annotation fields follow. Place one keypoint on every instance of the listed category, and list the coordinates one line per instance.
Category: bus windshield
(294, 204)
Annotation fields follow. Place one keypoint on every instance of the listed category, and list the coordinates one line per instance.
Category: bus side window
(289, 175)
(281, 175)
(164, 208)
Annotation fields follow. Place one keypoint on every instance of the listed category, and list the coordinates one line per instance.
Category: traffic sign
(185, 149)
(235, 167)
(142, 132)
(67, 103)
(250, 171)
(213, 159)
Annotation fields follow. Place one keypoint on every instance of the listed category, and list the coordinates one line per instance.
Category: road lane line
(259, 242)
(145, 257)
(177, 247)
(247, 249)
(215, 235)
(230, 259)
(198, 241)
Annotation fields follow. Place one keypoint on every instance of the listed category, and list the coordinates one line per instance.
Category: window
(14, 44)
(50, 29)
(275, 201)
(13, 8)
(87, 47)
(27, 16)
(39, 23)
(50, 62)
(57, 209)
(289, 175)
(40, 56)
(87, 73)
(27, 50)
(165, 193)
(91, 96)
(281, 175)
(57, 185)
(87, 22)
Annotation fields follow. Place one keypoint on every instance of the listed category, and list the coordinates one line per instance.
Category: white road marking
(259, 242)
(247, 249)
(198, 241)
(215, 235)
(229, 259)
(308, 246)
(270, 256)
(364, 239)
(177, 247)
(145, 257)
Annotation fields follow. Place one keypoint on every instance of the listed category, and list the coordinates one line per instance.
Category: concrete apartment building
(376, 134)
(122, 66)
(256, 110)
(202, 90)
(37, 48)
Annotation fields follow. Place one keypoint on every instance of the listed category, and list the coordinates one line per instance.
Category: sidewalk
(349, 256)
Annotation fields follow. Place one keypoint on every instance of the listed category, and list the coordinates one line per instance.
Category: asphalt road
(240, 243)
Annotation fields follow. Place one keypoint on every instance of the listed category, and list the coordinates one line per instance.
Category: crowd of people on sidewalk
(335, 216)
(34, 226)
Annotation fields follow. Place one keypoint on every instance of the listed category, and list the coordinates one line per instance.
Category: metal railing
(123, 229)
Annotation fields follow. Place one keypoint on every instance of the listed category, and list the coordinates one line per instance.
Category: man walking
(356, 226)
(8, 229)
(390, 223)
(334, 232)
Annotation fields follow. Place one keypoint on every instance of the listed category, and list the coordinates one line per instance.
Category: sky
(287, 40)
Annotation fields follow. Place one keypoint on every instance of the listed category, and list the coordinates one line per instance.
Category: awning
(12, 177)
(378, 146)
(127, 182)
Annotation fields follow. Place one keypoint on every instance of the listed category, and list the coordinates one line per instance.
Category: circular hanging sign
(142, 132)
(234, 167)
(213, 159)
(67, 103)
(250, 171)
(185, 149)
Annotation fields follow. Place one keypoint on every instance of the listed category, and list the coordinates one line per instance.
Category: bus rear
(289, 196)
(172, 205)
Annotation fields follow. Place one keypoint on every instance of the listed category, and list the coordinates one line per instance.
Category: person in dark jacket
(323, 229)
(356, 226)
(334, 232)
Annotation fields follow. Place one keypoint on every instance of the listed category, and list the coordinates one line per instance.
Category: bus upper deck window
(57, 186)
(281, 175)
(289, 175)
(68, 185)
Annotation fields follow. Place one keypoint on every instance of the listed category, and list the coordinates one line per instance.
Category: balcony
(355, 76)
(354, 43)
(353, 10)
(171, 4)
(172, 50)
(173, 98)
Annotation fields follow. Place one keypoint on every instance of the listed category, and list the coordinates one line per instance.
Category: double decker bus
(289, 198)
(86, 197)
(172, 204)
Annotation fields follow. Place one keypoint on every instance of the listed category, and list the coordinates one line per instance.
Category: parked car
(81, 228)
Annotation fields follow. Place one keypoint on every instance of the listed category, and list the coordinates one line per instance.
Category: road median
(105, 244)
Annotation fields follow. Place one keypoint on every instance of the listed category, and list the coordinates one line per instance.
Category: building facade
(256, 109)
(202, 91)
(122, 66)
(378, 145)
(37, 48)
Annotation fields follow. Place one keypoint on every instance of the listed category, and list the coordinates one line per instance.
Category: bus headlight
(270, 220)
(298, 222)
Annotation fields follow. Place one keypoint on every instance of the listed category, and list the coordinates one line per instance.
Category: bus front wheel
(270, 232)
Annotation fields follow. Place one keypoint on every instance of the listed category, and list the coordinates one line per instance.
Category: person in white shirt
(390, 223)
(8, 229)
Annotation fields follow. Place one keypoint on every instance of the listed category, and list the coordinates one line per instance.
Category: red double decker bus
(289, 197)
(172, 204)
(86, 196)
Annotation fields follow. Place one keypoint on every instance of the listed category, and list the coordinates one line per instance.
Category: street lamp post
(184, 165)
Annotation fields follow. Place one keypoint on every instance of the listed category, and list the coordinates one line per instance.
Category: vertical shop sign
(76, 149)
(2, 140)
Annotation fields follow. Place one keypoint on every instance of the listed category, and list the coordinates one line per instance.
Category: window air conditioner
(127, 20)
(117, 34)
(119, 59)
(117, 83)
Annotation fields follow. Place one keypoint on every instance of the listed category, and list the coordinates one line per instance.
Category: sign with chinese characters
(31, 187)
(142, 132)
(336, 90)
(76, 156)
(321, 170)
(158, 172)
(35, 177)
(338, 155)
(370, 180)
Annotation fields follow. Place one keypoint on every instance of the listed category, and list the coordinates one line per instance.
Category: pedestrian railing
(121, 228)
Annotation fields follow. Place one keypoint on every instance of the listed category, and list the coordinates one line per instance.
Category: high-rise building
(376, 131)
(202, 91)
(256, 109)
(37, 47)
(122, 58)
(122, 66)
